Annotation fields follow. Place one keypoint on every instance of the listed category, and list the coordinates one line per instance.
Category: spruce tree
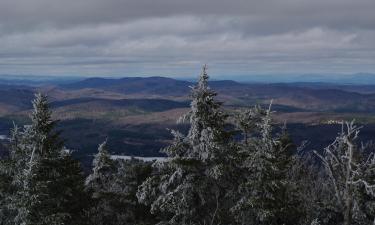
(266, 191)
(113, 185)
(190, 187)
(48, 183)
(11, 168)
(98, 184)
(103, 169)
(6, 214)
(130, 174)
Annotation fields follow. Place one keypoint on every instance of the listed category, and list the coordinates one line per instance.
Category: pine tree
(6, 214)
(113, 185)
(63, 199)
(98, 184)
(247, 121)
(45, 178)
(266, 191)
(130, 174)
(103, 169)
(190, 188)
(10, 169)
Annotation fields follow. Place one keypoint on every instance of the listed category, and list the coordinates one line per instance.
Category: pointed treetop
(103, 147)
(103, 153)
(203, 78)
(103, 168)
(205, 114)
(41, 116)
(102, 159)
(40, 104)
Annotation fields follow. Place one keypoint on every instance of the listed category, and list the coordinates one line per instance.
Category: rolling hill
(135, 113)
(325, 98)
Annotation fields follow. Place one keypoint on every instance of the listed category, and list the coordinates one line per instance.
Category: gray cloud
(173, 37)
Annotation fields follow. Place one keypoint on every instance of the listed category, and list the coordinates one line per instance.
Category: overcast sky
(174, 37)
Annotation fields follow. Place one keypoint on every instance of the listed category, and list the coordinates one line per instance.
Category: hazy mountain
(15, 98)
(135, 112)
(131, 85)
(315, 96)
(358, 78)
(33, 80)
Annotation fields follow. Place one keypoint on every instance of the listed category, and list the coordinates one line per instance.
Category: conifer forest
(238, 168)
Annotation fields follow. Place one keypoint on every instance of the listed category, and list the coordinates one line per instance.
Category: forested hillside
(135, 113)
(227, 167)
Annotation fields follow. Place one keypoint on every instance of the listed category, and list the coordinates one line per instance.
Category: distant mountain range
(357, 79)
(167, 93)
(306, 96)
(135, 112)
(34, 80)
(132, 85)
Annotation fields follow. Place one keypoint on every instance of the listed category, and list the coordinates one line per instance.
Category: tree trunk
(348, 212)
(348, 188)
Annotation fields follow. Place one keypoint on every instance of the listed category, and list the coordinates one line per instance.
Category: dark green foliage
(209, 176)
(6, 190)
(46, 183)
(59, 191)
(191, 187)
(267, 194)
(113, 185)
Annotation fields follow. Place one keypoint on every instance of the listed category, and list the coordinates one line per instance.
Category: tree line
(227, 170)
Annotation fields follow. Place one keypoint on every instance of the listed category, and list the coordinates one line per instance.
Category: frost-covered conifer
(205, 112)
(98, 183)
(30, 146)
(113, 185)
(130, 174)
(192, 186)
(266, 192)
(103, 169)
(6, 214)
(11, 168)
(247, 121)
(47, 183)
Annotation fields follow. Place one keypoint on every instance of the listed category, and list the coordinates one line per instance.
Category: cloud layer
(174, 37)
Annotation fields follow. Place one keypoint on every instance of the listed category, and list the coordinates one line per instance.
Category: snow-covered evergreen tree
(103, 169)
(11, 168)
(98, 184)
(130, 174)
(205, 118)
(113, 185)
(266, 191)
(247, 121)
(192, 186)
(47, 182)
(6, 214)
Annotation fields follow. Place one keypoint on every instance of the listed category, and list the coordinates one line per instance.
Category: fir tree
(130, 174)
(6, 214)
(45, 178)
(113, 185)
(103, 169)
(98, 184)
(11, 168)
(190, 188)
(266, 192)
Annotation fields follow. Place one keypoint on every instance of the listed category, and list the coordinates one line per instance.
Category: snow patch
(146, 159)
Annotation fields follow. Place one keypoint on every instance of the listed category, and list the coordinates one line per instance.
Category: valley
(135, 114)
